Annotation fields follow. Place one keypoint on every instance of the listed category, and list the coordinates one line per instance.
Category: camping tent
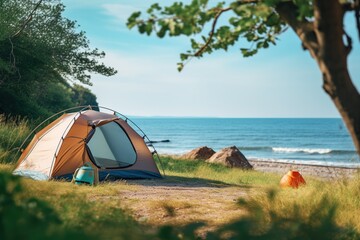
(105, 140)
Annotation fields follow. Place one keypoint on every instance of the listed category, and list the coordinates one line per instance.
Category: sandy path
(177, 201)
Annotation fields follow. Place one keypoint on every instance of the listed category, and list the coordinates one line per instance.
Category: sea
(315, 141)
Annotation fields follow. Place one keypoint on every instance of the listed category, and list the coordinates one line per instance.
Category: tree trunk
(338, 85)
(324, 40)
(332, 61)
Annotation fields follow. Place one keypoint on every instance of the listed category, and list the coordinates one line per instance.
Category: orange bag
(292, 179)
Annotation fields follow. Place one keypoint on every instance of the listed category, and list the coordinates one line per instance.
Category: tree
(319, 24)
(83, 96)
(41, 55)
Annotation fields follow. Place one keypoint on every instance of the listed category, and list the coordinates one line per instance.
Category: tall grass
(325, 208)
(216, 172)
(13, 131)
(61, 210)
(342, 194)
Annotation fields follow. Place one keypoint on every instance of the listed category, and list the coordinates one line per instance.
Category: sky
(281, 81)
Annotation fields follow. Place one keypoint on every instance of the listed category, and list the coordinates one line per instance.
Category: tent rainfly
(102, 139)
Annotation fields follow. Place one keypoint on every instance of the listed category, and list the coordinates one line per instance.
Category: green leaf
(187, 29)
(194, 44)
(242, 10)
(271, 3)
(132, 20)
(184, 56)
(161, 33)
(250, 36)
(248, 52)
(261, 29)
(260, 45)
(266, 44)
(180, 66)
(142, 28)
(153, 7)
(305, 8)
(272, 20)
(148, 28)
(172, 25)
(272, 39)
(234, 21)
(244, 50)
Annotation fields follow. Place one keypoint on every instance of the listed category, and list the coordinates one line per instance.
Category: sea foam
(304, 150)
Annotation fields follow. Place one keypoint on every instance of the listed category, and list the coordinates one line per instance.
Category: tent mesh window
(111, 147)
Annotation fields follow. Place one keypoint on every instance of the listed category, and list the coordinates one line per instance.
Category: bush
(22, 217)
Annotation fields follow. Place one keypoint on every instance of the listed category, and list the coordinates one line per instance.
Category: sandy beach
(326, 172)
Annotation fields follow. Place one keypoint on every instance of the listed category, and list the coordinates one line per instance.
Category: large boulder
(231, 157)
(200, 153)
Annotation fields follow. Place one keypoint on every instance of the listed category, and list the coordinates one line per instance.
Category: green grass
(60, 210)
(319, 209)
(217, 172)
(343, 192)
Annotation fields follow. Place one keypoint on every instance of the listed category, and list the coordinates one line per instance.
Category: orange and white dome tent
(105, 140)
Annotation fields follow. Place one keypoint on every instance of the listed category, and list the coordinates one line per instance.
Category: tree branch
(202, 49)
(357, 16)
(12, 55)
(353, 6)
(28, 19)
(348, 6)
(288, 11)
(13, 59)
(207, 43)
(332, 56)
(348, 46)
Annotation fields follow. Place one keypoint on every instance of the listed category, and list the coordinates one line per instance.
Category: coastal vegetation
(44, 60)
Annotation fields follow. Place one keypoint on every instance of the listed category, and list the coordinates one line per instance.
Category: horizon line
(164, 116)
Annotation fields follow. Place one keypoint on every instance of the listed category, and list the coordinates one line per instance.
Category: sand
(325, 172)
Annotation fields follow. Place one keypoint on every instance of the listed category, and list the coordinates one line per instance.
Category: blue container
(84, 175)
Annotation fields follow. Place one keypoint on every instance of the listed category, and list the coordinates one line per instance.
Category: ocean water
(310, 141)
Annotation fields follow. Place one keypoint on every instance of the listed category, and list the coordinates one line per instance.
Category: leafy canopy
(41, 54)
(255, 21)
(49, 39)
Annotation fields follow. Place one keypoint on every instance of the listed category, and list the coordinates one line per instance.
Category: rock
(231, 157)
(201, 153)
(161, 141)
